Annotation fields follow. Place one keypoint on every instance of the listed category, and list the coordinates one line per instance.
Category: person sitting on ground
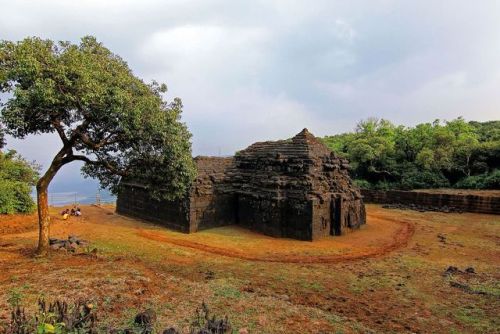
(73, 210)
(78, 212)
(65, 214)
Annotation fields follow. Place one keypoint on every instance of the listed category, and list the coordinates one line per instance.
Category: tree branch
(105, 164)
(79, 131)
(70, 157)
(60, 130)
(97, 145)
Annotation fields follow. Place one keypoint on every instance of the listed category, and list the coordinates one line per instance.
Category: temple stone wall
(321, 212)
(295, 188)
(211, 203)
(466, 202)
(134, 200)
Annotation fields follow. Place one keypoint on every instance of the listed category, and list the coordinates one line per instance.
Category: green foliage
(360, 183)
(421, 179)
(430, 155)
(487, 131)
(481, 181)
(58, 317)
(104, 115)
(338, 143)
(15, 296)
(17, 177)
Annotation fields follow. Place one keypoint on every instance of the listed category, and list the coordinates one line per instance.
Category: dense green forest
(17, 177)
(441, 154)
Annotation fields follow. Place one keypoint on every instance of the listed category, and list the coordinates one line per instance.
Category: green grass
(360, 285)
(314, 286)
(227, 292)
(474, 317)
(15, 296)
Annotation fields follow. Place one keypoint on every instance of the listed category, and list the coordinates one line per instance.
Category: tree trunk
(43, 218)
(468, 165)
(42, 189)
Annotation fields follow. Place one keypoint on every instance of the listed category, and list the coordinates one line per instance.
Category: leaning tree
(105, 116)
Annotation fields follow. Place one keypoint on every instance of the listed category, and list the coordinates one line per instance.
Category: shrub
(363, 184)
(7, 197)
(58, 317)
(384, 185)
(493, 180)
(17, 176)
(422, 179)
(481, 181)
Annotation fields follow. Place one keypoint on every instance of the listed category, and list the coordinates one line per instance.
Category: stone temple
(295, 188)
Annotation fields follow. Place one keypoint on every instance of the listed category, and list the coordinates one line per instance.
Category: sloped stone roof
(303, 145)
(302, 166)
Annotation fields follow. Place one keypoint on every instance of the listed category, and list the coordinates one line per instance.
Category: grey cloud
(256, 70)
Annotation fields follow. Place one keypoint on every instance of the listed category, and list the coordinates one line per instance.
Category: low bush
(54, 318)
(17, 177)
(15, 197)
(384, 185)
(363, 184)
(421, 179)
(481, 181)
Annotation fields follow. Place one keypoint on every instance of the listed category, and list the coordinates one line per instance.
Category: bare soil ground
(388, 277)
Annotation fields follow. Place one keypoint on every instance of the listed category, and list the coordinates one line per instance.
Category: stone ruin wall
(206, 206)
(270, 199)
(134, 200)
(341, 204)
(294, 188)
(464, 202)
(211, 202)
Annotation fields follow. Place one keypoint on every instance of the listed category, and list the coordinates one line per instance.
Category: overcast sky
(259, 70)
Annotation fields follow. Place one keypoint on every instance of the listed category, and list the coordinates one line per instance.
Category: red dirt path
(399, 239)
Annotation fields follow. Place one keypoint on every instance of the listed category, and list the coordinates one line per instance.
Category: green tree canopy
(105, 116)
(436, 154)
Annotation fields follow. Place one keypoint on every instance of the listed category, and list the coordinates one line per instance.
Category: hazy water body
(75, 197)
(65, 198)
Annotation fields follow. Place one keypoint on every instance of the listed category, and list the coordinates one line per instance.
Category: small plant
(54, 318)
(203, 323)
(15, 297)
(80, 318)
